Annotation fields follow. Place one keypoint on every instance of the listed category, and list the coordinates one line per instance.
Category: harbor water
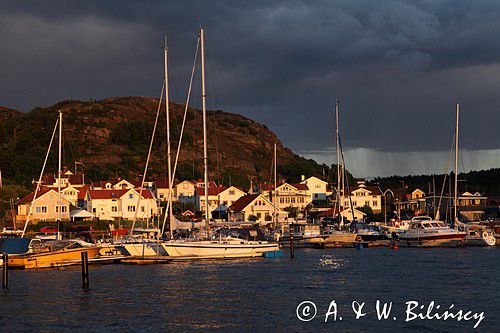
(260, 294)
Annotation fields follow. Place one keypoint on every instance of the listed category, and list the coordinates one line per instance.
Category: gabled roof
(297, 186)
(43, 190)
(118, 193)
(82, 192)
(107, 193)
(244, 201)
(300, 187)
(211, 190)
(313, 177)
(29, 198)
(163, 183)
(375, 190)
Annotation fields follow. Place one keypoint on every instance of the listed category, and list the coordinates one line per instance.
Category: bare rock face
(111, 137)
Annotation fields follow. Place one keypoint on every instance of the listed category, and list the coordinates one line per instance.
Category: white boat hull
(142, 249)
(479, 241)
(432, 242)
(217, 250)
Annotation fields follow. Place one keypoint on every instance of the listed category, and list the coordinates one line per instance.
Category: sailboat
(218, 246)
(427, 232)
(33, 253)
(340, 237)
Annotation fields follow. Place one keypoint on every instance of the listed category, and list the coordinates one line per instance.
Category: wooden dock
(146, 260)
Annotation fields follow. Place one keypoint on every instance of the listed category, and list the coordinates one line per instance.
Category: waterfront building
(45, 206)
(184, 191)
(288, 195)
(252, 206)
(217, 196)
(363, 195)
(318, 189)
(111, 204)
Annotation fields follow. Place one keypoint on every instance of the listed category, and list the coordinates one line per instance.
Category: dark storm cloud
(397, 66)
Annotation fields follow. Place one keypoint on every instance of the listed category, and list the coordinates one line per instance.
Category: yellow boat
(63, 253)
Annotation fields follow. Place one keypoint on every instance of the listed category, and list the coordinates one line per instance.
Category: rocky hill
(111, 137)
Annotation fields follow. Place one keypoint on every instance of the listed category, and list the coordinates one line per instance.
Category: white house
(217, 196)
(317, 188)
(363, 195)
(110, 204)
(252, 205)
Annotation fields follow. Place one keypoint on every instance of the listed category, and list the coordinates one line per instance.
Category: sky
(397, 68)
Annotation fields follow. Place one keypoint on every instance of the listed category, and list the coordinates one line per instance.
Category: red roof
(107, 194)
(329, 213)
(242, 202)
(116, 194)
(211, 190)
(300, 187)
(266, 187)
(82, 192)
(29, 198)
(163, 183)
(375, 190)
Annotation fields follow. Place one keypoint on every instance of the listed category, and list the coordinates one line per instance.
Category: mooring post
(292, 250)
(5, 272)
(85, 270)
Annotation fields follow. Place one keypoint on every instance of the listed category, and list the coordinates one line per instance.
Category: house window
(375, 203)
(63, 209)
(114, 209)
(130, 195)
(231, 192)
(94, 210)
(161, 195)
(259, 215)
(143, 209)
(131, 208)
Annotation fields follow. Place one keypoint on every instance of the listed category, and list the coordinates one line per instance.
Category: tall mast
(167, 110)
(204, 104)
(275, 202)
(59, 176)
(455, 215)
(337, 147)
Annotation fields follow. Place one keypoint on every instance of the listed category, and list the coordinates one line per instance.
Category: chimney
(302, 178)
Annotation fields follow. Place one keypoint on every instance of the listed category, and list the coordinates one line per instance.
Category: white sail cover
(180, 225)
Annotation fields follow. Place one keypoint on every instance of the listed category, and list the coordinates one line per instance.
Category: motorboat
(426, 232)
(477, 235)
(36, 254)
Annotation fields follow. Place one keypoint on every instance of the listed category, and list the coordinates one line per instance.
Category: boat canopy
(14, 245)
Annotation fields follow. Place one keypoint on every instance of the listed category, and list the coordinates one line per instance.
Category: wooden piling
(85, 270)
(292, 250)
(5, 272)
